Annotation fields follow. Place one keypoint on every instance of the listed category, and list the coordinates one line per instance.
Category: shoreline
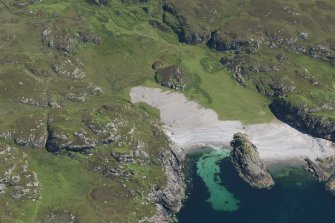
(294, 162)
(191, 126)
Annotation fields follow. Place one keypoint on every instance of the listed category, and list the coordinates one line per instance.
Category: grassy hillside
(66, 68)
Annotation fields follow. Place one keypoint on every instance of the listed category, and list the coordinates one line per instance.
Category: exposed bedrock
(225, 41)
(330, 185)
(324, 171)
(303, 119)
(169, 200)
(187, 32)
(248, 163)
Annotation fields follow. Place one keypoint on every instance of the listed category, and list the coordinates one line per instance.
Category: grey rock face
(248, 164)
(225, 41)
(169, 200)
(315, 168)
(187, 33)
(303, 119)
(324, 171)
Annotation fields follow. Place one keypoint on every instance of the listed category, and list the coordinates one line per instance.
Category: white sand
(190, 126)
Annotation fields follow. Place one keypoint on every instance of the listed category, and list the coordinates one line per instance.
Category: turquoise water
(216, 194)
(209, 170)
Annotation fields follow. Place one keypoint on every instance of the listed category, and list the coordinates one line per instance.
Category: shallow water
(208, 169)
(216, 194)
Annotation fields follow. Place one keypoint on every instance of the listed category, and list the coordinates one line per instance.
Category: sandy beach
(190, 126)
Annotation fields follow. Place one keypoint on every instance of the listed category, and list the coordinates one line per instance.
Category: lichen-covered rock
(248, 163)
(16, 175)
(67, 68)
(66, 41)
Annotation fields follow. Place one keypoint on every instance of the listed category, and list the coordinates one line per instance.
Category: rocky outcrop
(226, 41)
(243, 67)
(324, 171)
(57, 142)
(318, 172)
(17, 178)
(248, 163)
(172, 77)
(169, 200)
(88, 134)
(303, 119)
(67, 68)
(330, 185)
(186, 32)
(67, 41)
(101, 2)
(321, 51)
(27, 131)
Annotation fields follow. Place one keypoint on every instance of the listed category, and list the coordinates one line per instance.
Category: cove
(216, 194)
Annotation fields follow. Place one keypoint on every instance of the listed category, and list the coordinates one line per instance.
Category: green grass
(149, 109)
(126, 61)
(121, 61)
(65, 185)
(218, 91)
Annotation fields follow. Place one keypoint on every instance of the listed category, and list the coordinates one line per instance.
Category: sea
(216, 194)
